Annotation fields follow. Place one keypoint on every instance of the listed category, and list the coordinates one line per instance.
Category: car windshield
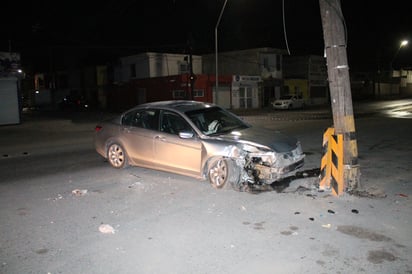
(215, 120)
(286, 97)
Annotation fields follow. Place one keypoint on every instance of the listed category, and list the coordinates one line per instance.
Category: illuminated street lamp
(401, 45)
(217, 25)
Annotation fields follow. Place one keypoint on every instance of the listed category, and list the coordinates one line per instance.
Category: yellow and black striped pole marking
(331, 169)
(325, 170)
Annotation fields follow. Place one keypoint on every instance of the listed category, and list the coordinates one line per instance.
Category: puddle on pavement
(378, 256)
(362, 233)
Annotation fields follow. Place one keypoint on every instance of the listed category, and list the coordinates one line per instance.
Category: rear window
(141, 118)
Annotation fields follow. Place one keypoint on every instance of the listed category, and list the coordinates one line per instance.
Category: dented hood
(275, 140)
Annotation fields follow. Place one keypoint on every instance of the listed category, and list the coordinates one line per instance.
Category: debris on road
(371, 193)
(59, 197)
(106, 229)
(79, 192)
(282, 184)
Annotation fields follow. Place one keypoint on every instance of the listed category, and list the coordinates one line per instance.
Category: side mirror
(186, 134)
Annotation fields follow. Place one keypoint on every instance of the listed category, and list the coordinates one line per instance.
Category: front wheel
(221, 171)
(116, 156)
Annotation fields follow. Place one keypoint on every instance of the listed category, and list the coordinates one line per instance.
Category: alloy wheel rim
(219, 173)
(116, 155)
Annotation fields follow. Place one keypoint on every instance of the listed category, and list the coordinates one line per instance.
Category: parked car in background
(198, 139)
(288, 102)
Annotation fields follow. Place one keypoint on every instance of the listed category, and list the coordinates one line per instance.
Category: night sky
(97, 31)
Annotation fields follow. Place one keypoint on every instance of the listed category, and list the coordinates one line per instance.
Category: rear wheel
(223, 171)
(116, 156)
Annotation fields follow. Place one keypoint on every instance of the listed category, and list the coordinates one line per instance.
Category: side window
(127, 119)
(147, 119)
(173, 123)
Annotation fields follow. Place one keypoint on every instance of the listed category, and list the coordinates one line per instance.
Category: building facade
(306, 76)
(10, 88)
(151, 65)
(257, 76)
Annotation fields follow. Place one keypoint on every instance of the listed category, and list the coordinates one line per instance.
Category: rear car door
(139, 127)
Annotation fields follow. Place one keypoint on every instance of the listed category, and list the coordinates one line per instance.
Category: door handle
(161, 138)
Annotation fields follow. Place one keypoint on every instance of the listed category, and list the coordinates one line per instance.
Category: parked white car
(288, 102)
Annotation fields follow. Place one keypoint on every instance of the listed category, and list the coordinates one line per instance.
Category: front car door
(174, 153)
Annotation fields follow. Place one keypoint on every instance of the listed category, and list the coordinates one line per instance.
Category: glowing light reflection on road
(402, 112)
(397, 108)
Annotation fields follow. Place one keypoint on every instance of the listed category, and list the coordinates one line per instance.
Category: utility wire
(284, 26)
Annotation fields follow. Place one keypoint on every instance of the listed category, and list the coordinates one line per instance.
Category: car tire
(223, 172)
(116, 155)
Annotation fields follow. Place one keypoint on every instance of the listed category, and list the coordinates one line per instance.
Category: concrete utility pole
(339, 84)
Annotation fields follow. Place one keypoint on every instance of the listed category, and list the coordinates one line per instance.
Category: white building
(152, 64)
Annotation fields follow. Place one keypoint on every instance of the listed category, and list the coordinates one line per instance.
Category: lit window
(198, 93)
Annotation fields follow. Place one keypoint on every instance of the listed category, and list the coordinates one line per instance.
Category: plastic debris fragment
(106, 229)
(79, 192)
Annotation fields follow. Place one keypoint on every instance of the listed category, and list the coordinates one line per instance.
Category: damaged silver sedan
(200, 140)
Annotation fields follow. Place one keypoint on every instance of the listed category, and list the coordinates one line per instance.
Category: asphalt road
(56, 193)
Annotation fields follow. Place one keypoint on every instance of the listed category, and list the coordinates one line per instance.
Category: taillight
(98, 128)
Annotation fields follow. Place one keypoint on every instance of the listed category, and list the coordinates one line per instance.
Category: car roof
(179, 105)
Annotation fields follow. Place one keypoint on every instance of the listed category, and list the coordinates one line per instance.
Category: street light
(401, 45)
(217, 25)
